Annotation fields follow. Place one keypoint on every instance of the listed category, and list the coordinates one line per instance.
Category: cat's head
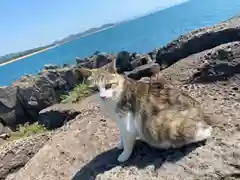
(107, 81)
(109, 85)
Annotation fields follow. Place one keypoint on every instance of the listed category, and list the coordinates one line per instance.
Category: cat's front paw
(123, 157)
(120, 146)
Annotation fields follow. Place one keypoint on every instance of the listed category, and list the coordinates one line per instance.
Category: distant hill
(11, 56)
(78, 35)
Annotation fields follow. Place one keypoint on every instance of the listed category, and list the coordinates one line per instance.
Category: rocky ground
(205, 63)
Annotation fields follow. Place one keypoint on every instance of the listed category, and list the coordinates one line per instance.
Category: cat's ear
(143, 86)
(159, 78)
(87, 76)
(111, 67)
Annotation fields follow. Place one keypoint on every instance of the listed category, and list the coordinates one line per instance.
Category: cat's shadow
(143, 155)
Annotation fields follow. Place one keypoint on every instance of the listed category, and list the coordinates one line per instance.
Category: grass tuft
(27, 130)
(78, 93)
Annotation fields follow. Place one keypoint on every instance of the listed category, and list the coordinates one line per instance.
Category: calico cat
(153, 110)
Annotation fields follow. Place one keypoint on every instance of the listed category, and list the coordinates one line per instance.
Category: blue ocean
(138, 35)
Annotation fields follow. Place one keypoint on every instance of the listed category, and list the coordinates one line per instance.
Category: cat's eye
(108, 86)
(114, 84)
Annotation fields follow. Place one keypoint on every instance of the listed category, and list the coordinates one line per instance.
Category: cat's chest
(109, 107)
(124, 119)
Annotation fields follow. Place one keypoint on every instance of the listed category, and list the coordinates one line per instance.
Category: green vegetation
(27, 130)
(80, 92)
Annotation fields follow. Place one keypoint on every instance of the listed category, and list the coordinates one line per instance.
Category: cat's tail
(203, 132)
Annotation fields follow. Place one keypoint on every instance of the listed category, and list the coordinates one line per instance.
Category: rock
(11, 110)
(102, 59)
(223, 63)
(96, 52)
(35, 93)
(87, 63)
(199, 40)
(210, 72)
(50, 66)
(56, 115)
(142, 60)
(71, 76)
(146, 70)
(135, 55)
(79, 60)
(87, 149)
(123, 61)
(84, 63)
(220, 54)
(4, 136)
(5, 133)
(65, 65)
(97, 61)
(153, 54)
(14, 155)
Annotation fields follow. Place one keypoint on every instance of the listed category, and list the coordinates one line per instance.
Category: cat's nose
(103, 97)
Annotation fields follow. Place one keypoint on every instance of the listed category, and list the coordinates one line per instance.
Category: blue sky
(27, 24)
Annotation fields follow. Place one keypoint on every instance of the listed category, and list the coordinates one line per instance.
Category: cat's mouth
(104, 98)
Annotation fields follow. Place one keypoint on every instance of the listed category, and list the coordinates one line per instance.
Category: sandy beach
(28, 55)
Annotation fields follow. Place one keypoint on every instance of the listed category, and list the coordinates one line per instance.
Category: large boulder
(38, 92)
(50, 66)
(15, 154)
(199, 40)
(96, 61)
(102, 59)
(215, 72)
(123, 61)
(11, 111)
(79, 60)
(153, 54)
(87, 150)
(223, 64)
(56, 115)
(141, 60)
(146, 70)
(220, 65)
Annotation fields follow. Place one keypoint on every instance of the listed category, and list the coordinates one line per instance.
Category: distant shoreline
(88, 34)
(28, 55)
(31, 54)
(98, 31)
